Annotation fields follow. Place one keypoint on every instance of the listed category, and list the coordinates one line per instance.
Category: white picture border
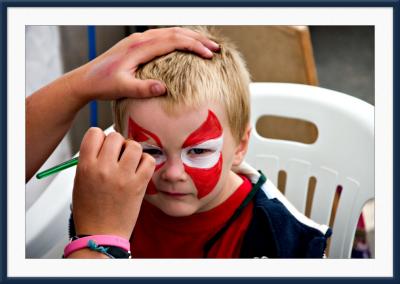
(381, 18)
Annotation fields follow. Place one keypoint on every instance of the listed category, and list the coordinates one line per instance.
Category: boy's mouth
(173, 194)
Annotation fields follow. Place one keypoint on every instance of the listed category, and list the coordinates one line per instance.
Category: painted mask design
(205, 164)
(141, 135)
(201, 153)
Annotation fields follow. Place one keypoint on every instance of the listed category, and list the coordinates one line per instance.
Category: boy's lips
(174, 194)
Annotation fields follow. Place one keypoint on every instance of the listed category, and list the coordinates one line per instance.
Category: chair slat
(298, 172)
(324, 195)
(268, 164)
(346, 220)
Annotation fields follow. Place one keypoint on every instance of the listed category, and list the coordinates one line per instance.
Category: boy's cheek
(151, 187)
(205, 180)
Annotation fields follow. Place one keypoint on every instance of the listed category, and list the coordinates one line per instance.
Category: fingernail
(215, 45)
(208, 52)
(157, 89)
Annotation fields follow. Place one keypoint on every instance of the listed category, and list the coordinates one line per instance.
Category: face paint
(142, 135)
(201, 154)
(156, 152)
(205, 166)
(151, 188)
(139, 134)
(205, 179)
(210, 129)
(204, 155)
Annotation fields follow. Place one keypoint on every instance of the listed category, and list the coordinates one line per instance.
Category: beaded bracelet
(108, 245)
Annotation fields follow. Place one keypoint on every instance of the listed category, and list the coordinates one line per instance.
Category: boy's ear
(241, 149)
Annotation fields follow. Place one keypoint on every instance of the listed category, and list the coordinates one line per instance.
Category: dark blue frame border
(4, 4)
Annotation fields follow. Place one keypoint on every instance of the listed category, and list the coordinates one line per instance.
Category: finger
(112, 147)
(212, 45)
(136, 88)
(131, 156)
(163, 45)
(146, 167)
(91, 144)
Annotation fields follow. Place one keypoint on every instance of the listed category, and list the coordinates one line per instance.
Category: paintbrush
(58, 168)
(66, 165)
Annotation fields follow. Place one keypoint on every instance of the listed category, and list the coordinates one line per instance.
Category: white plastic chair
(343, 153)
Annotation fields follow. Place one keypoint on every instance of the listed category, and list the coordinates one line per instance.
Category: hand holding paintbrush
(58, 168)
(110, 183)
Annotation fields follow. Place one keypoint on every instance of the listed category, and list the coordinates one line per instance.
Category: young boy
(195, 205)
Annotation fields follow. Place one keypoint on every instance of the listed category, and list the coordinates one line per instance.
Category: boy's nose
(173, 171)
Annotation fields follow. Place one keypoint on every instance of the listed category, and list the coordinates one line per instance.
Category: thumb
(136, 88)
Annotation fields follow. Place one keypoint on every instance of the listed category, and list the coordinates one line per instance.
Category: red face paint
(139, 134)
(205, 179)
(151, 188)
(210, 129)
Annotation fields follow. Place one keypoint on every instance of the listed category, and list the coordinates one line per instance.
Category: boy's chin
(178, 210)
(174, 208)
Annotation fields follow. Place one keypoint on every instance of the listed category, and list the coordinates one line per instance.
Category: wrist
(95, 232)
(76, 85)
(90, 230)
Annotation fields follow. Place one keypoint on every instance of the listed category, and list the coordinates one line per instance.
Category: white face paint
(204, 155)
(155, 151)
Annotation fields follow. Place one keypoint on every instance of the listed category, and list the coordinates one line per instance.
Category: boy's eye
(153, 152)
(199, 151)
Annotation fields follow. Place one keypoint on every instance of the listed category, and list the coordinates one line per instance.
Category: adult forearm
(50, 112)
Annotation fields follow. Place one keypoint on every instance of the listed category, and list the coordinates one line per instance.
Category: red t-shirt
(158, 235)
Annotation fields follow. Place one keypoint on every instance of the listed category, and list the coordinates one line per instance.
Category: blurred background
(340, 58)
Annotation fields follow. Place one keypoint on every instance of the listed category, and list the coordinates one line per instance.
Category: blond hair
(193, 81)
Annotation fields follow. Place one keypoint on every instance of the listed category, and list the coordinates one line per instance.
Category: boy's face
(194, 152)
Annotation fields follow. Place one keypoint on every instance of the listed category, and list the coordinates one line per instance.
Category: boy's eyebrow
(210, 129)
(140, 134)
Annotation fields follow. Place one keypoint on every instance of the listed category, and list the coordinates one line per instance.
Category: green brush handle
(58, 168)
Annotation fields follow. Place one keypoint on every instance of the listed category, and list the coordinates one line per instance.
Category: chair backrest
(342, 155)
(275, 53)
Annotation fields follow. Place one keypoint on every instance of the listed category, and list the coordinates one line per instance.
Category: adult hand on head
(112, 74)
(51, 110)
(109, 186)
